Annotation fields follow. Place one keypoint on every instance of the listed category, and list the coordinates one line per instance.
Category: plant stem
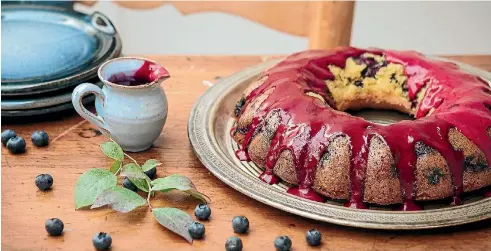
(148, 196)
(119, 169)
(131, 158)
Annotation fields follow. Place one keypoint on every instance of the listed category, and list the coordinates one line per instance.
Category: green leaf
(177, 182)
(91, 184)
(175, 220)
(142, 184)
(115, 166)
(171, 182)
(112, 150)
(120, 199)
(151, 163)
(198, 195)
(134, 171)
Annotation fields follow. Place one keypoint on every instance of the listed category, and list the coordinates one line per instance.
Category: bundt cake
(291, 121)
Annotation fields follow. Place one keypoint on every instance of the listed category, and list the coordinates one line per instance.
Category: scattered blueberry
(129, 185)
(152, 173)
(16, 144)
(6, 135)
(233, 243)
(44, 181)
(313, 237)
(283, 243)
(102, 241)
(202, 212)
(240, 224)
(54, 226)
(40, 138)
(196, 230)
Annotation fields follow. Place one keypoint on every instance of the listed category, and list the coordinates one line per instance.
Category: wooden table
(75, 148)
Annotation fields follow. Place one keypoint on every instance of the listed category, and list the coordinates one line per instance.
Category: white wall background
(428, 27)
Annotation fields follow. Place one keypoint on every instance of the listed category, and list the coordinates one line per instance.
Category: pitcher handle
(78, 93)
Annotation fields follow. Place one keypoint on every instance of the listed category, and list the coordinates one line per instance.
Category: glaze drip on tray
(307, 125)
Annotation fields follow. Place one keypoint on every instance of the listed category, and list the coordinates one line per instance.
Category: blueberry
(434, 176)
(102, 241)
(233, 243)
(240, 224)
(370, 71)
(393, 77)
(313, 237)
(40, 138)
(239, 106)
(129, 185)
(54, 226)
(282, 243)
(196, 230)
(152, 173)
(44, 181)
(16, 144)
(6, 135)
(358, 83)
(242, 130)
(202, 212)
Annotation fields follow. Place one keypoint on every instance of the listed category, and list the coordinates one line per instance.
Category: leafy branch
(98, 187)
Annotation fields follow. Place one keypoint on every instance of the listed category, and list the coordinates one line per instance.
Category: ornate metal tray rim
(204, 143)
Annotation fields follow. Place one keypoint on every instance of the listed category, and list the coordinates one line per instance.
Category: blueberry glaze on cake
(291, 122)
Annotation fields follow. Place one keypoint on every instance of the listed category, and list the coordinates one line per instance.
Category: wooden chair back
(326, 24)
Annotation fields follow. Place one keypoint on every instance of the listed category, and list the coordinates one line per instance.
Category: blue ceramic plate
(48, 48)
(41, 101)
(45, 110)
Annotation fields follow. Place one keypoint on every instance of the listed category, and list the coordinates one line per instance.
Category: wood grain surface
(74, 148)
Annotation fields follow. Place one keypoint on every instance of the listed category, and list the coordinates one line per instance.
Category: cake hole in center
(382, 117)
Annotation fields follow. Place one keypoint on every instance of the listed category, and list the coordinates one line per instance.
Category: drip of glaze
(402, 138)
(147, 73)
(307, 125)
(409, 205)
(151, 71)
(358, 160)
(306, 193)
(308, 158)
(269, 178)
(456, 201)
(242, 153)
(358, 204)
(273, 155)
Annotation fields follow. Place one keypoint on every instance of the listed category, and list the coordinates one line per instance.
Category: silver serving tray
(208, 130)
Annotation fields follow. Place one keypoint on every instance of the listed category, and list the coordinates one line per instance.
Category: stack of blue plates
(46, 52)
